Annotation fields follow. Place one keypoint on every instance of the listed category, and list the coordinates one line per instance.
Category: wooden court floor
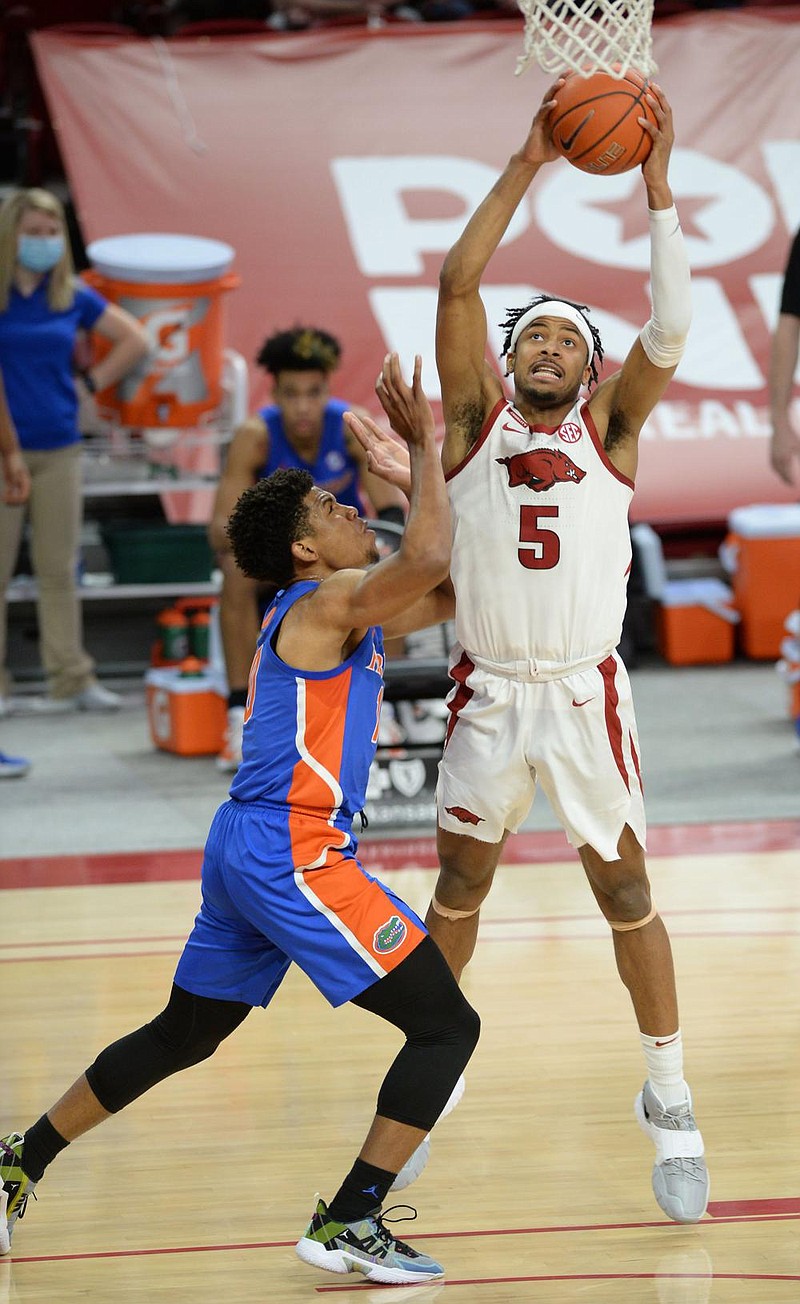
(538, 1187)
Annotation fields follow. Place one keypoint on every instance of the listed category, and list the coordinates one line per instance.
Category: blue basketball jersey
(310, 736)
(333, 469)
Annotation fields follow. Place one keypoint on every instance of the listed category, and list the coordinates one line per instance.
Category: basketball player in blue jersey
(281, 879)
(302, 427)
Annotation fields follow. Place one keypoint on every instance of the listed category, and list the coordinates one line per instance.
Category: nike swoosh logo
(515, 430)
(568, 141)
(667, 1043)
(588, 699)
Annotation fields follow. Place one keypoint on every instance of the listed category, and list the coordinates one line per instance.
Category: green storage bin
(157, 554)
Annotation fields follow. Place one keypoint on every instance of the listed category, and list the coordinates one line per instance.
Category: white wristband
(664, 337)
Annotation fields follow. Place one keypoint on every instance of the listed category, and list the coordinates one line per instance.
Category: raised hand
(407, 408)
(539, 147)
(654, 168)
(386, 456)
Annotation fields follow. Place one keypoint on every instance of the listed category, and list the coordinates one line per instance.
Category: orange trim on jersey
(323, 739)
(608, 670)
(385, 931)
(268, 616)
(482, 437)
(251, 684)
(601, 452)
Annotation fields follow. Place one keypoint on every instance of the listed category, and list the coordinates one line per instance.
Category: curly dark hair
(304, 348)
(265, 523)
(513, 315)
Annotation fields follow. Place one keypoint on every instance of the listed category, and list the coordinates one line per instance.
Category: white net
(587, 36)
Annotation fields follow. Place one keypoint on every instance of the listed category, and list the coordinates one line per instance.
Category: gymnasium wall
(342, 163)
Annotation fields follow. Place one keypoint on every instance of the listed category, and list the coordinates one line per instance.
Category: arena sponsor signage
(342, 216)
(402, 786)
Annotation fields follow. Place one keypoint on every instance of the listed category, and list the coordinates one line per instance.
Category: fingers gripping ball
(595, 122)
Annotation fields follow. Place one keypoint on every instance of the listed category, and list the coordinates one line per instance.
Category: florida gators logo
(463, 815)
(540, 469)
(389, 936)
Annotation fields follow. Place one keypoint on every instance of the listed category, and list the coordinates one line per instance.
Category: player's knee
(462, 880)
(452, 1020)
(629, 900)
(191, 1028)
(469, 1030)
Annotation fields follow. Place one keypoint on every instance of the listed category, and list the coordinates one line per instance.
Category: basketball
(594, 122)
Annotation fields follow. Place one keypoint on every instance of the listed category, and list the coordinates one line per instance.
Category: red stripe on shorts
(608, 669)
(463, 693)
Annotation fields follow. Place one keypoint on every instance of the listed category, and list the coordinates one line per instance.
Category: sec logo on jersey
(570, 432)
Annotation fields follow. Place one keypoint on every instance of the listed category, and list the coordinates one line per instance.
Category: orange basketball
(594, 122)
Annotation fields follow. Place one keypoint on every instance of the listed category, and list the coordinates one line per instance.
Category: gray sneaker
(680, 1177)
(366, 1247)
(97, 698)
(92, 698)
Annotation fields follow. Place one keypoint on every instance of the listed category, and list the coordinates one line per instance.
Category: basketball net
(587, 36)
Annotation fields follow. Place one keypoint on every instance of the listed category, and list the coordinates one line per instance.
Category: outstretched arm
(352, 600)
(622, 404)
(469, 388)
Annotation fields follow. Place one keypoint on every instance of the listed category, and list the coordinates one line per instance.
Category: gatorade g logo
(174, 366)
(389, 936)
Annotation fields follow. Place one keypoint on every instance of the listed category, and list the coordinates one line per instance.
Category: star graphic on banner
(632, 215)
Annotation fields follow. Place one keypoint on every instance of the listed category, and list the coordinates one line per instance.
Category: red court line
(94, 955)
(675, 934)
(382, 855)
(593, 917)
(418, 1236)
(97, 941)
(749, 1208)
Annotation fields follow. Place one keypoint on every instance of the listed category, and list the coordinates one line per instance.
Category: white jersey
(541, 546)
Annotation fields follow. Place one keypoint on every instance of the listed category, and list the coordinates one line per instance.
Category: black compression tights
(189, 1030)
(420, 997)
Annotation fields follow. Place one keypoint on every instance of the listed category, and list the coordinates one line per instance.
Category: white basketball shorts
(576, 736)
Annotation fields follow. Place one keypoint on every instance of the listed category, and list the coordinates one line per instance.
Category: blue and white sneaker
(366, 1247)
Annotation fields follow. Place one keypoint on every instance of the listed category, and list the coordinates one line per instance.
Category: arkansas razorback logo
(464, 816)
(540, 469)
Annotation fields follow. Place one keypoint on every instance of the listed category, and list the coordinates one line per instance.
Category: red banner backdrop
(342, 164)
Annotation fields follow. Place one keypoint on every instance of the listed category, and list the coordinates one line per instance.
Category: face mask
(39, 253)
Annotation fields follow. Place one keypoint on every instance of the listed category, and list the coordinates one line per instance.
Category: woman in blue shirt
(43, 306)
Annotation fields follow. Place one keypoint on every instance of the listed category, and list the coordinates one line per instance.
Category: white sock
(664, 1058)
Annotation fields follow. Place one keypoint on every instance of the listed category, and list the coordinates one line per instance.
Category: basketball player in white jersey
(539, 492)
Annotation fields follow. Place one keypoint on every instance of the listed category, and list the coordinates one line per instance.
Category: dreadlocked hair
(266, 521)
(513, 315)
(305, 348)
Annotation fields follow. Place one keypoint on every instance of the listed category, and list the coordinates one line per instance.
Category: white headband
(554, 308)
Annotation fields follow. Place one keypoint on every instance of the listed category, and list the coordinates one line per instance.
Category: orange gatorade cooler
(696, 622)
(174, 285)
(187, 712)
(762, 552)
